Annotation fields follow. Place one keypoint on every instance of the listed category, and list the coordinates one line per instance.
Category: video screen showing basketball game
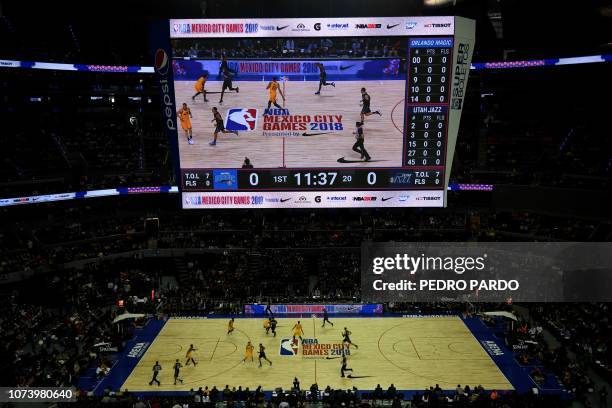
(317, 112)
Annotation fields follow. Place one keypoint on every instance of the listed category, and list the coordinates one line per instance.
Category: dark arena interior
(348, 203)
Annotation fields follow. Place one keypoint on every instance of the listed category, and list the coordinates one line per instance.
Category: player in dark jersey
(227, 84)
(344, 366)
(156, 369)
(365, 105)
(323, 78)
(177, 372)
(326, 318)
(359, 140)
(224, 66)
(219, 128)
(273, 324)
(269, 308)
(262, 354)
(346, 339)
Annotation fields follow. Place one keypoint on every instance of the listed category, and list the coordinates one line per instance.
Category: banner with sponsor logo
(370, 308)
(311, 27)
(300, 70)
(160, 47)
(75, 67)
(5, 202)
(313, 199)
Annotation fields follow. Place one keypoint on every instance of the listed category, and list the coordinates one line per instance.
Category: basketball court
(321, 147)
(411, 352)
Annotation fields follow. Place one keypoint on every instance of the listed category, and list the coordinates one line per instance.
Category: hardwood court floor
(412, 353)
(384, 139)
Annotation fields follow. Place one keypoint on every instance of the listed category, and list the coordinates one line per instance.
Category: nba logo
(241, 119)
(289, 347)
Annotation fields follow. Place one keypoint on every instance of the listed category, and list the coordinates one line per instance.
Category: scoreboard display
(300, 132)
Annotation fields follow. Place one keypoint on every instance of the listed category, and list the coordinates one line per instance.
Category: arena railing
(544, 62)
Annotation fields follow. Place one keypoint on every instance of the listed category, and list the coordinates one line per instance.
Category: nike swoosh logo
(314, 134)
(391, 26)
(386, 199)
(281, 28)
(347, 67)
(285, 200)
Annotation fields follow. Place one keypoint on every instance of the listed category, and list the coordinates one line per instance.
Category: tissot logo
(428, 198)
(437, 25)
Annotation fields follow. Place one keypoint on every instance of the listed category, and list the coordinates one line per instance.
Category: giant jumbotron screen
(306, 113)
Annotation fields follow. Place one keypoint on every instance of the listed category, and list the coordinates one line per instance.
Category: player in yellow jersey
(184, 115)
(266, 325)
(189, 356)
(274, 87)
(248, 353)
(199, 87)
(298, 331)
(230, 326)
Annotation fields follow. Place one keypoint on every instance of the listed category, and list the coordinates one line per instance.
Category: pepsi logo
(161, 62)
